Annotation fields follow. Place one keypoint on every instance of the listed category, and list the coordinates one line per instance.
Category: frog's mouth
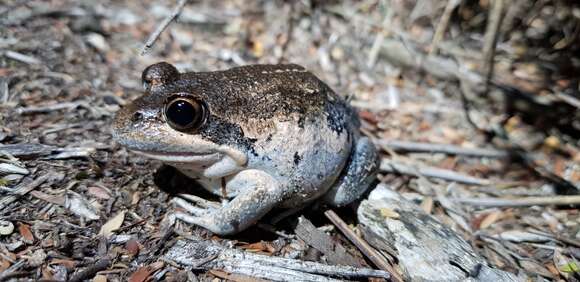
(181, 157)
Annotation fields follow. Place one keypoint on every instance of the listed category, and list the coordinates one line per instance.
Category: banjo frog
(258, 136)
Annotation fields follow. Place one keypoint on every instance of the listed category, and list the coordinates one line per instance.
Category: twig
(155, 35)
(570, 100)
(377, 44)
(442, 25)
(521, 202)
(363, 246)
(22, 58)
(490, 39)
(433, 172)
(50, 108)
(90, 271)
(406, 146)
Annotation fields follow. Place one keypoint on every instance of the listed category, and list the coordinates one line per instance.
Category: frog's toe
(199, 201)
(209, 222)
(191, 209)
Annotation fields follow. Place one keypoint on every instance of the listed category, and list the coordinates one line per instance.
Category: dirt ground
(76, 206)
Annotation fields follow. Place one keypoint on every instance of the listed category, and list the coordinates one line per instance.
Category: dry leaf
(47, 274)
(260, 247)
(490, 219)
(132, 247)
(427, 205)
(99, 192)
(24, 230)
(113, 224)
(4, 264)
(144, 272)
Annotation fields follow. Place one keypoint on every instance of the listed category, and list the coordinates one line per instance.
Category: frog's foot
(238, 214)
(357, 176)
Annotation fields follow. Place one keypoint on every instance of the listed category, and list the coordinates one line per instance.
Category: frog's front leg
(262, 194)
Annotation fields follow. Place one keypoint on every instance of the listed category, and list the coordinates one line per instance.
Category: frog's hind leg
(359, 173)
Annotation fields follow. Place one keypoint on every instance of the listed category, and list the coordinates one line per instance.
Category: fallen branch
(204, 254)
(431, 172)
(417, 147)
(427, 250)
(521, 202)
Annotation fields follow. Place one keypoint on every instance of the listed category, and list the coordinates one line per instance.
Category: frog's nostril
(137, 116)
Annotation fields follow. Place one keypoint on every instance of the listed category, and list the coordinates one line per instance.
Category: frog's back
(268, 92)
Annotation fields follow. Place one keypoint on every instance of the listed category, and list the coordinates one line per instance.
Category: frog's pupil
(181, 113)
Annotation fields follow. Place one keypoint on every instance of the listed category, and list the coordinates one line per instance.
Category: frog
(259, 137)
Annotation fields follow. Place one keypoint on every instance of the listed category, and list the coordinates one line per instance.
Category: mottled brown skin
(275, 135)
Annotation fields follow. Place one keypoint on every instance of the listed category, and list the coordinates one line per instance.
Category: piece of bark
(334, 252)
(427, 250)
(204, 254)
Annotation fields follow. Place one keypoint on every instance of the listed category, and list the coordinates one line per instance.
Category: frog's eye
(185, 114)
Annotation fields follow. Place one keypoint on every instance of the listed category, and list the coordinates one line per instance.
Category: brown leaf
(143, 273)
(24, 230)
(132, 246)
(490, 219)
(260, 247)
(4, 264)
(47, 274)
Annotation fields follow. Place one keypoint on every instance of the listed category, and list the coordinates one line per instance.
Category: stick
(521, 202)
(418, 147)
(442, 26)
(363, 246)
(155, 35)
(433, 172)
(90, 271)
(490, 39)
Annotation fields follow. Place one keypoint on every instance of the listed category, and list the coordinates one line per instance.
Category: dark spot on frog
(136, 117)
(301, 122)
(269, 138)
(297, 158)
